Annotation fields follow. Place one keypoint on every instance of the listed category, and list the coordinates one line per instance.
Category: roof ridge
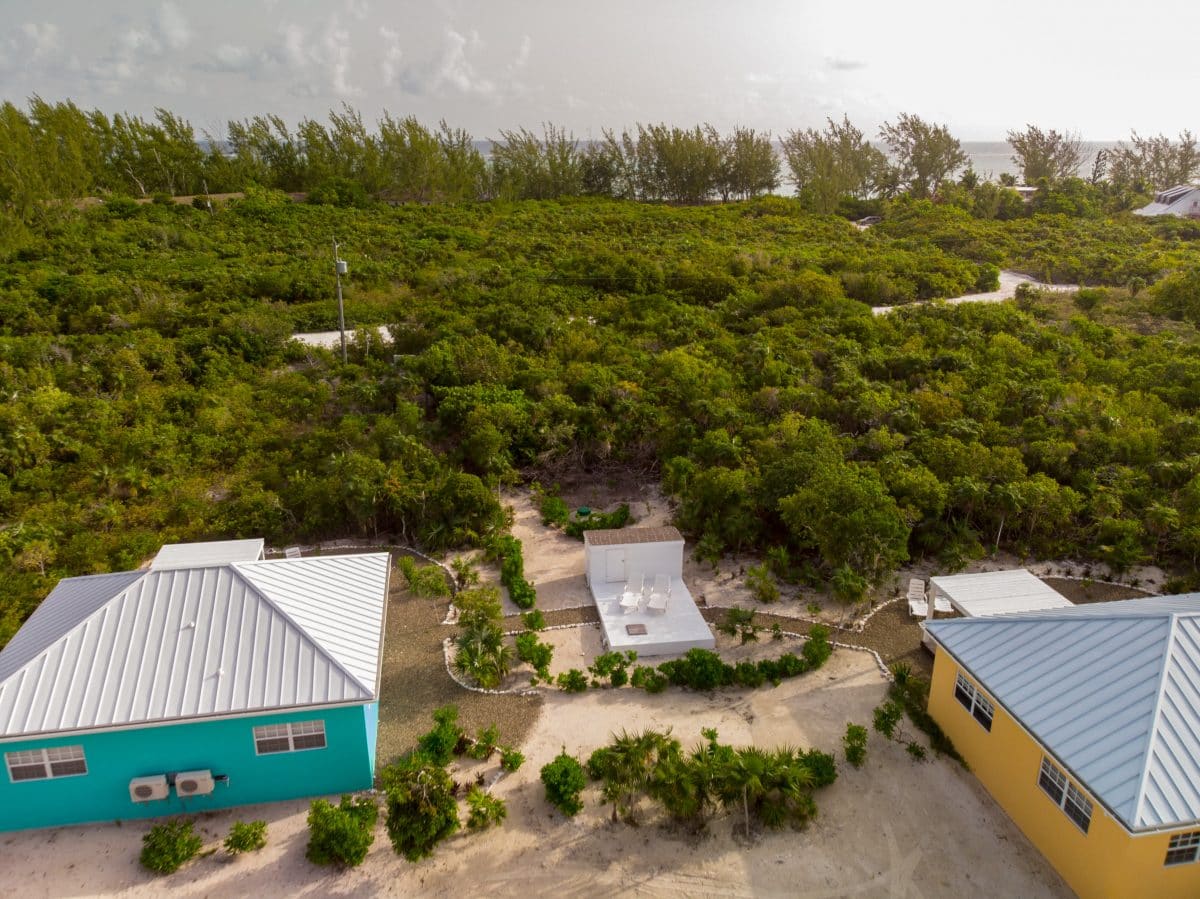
(78, 623)
(337, 663)
(1140, 796)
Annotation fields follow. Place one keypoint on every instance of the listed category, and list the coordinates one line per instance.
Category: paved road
(1008, 288)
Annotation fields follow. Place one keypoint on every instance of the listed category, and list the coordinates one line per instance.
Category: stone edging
(446, 645)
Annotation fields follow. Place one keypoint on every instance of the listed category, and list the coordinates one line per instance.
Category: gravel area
(415, 681)
(1082, 591)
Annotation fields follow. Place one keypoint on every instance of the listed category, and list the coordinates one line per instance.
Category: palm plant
(627, 765)
(483, 655)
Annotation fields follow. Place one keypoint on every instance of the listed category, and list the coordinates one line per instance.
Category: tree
(749, 166)
(1154, 163)
(341, 834)
(1046, 154)
(421, 808)
(528, 167)
(828, 165)
(924, 154)
(564, 781)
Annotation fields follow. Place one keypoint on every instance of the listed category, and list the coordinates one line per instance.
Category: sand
(894, 828)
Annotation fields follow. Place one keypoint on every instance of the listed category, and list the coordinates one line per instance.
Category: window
(973, 701)
(1184, 848)
(39, 764)
(1066, 795)
(289, 737)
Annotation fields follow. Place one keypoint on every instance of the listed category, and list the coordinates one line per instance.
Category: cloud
(457, 70)
(523, 52)
(841, 64)
(170, 82)
(172, 28)
(232, 58)
(392, 54)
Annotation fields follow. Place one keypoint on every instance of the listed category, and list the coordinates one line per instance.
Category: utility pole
(339, 269)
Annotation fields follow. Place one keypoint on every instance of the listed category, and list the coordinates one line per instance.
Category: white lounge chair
(631, 596)
(916, 588)
(292, 552)
(659, 593)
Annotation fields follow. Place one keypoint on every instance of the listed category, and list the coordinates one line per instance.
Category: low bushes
(536, 653)
(564, 782)
(597, 521)
(855, 744)
(506, 549)
(166, 847)
(910, 694)
(613, 667)
(423, 580)
(246, 837)
(573, 681)
(484, 810)
(439, 744)
(482, 653)
(341, 834)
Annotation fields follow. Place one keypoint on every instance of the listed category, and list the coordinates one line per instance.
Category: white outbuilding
(1182, 200)
(636, 579)
(996, 593)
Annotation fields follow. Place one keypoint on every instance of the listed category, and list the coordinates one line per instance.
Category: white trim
(74, 753)
(170, 722)
(290, 728)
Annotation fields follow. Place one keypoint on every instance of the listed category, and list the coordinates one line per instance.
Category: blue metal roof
(1112, 690)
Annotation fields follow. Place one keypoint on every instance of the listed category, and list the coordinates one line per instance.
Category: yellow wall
(1107, 861)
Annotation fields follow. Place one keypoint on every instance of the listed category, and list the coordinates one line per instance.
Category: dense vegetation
(151, 394)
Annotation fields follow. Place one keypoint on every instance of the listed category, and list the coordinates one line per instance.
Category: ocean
(991, 159)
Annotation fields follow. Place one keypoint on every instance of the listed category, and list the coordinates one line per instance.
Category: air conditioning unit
(193, 783)
(145, 789)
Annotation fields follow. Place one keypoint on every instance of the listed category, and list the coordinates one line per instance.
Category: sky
(1099, 68)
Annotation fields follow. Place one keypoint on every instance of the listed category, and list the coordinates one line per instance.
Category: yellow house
(1084, 725)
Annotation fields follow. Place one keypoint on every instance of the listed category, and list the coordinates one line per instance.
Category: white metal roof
(197, 555)
(1168, 202)
(167, 644)
(998, 593)
(1112, 690)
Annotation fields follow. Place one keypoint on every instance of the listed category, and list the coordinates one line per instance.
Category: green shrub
(564, 782)
(438, 744)
(533, 620)
(817, 649)
(423, 580)
(507, 549)
(887, 717)
(740, 623)
(916, 750)
(555, 512)
(649, 679)
(573, 681)
(246, 837)
(699, 669)
(511, 759)
(536, 653)
(485, 743)
(484, 810)
(421, 808)
(855, 743)
(613, 666)
(821, 765)
(749, 674)
(618, 518)
(761, 583)
(168, 846)
(341, 834)
(478, 607)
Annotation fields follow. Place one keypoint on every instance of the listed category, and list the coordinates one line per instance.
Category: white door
(614, 565)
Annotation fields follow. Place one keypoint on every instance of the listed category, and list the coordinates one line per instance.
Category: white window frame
(1062, 792)
(1183, 843)
(47, 758)
(293, 732)
(981, 708)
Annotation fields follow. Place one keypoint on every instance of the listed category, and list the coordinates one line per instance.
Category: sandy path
(893, 828)
(332, 340)
(1009, 281)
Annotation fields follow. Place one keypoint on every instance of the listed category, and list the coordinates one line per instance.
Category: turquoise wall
(223, 747)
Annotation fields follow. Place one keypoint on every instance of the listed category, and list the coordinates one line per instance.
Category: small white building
(610, 556)
(1182, 200)
(636, 579)
(989, 593)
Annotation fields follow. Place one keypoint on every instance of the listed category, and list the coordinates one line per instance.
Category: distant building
(213, 678)
(1183, 200)
(1084, 724)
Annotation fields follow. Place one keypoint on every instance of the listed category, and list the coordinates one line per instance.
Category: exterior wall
(648, 558)
(1107, 861)
(225, 747)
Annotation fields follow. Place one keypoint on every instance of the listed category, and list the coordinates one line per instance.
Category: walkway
(1009, 281)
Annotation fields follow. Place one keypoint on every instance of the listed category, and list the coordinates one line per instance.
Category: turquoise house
(213, 678)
